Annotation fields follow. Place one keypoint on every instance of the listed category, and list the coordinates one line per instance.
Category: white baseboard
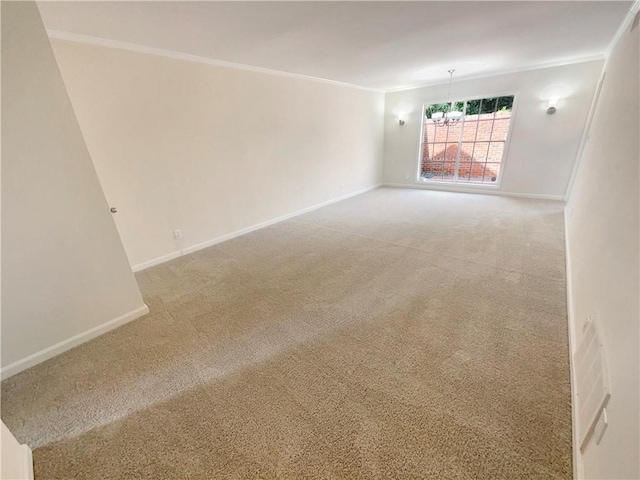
(480, 191)
(27, 462)
(244, 231)
(69, 343)
(578, 467)
(157, 261)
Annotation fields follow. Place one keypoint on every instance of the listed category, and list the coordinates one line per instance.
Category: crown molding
(560, 63)
(104, 42)
(132, 47)
(623, 27)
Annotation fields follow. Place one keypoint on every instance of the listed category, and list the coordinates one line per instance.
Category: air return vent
(591, 381)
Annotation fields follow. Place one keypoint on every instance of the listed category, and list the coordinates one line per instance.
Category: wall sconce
(401, 118)
(553, 96)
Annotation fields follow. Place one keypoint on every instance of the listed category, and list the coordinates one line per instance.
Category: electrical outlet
(177, 234)
(601, 426)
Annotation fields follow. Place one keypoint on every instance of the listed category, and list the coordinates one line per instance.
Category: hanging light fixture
(450, 117)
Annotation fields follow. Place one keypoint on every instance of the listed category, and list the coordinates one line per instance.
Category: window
(469, 150)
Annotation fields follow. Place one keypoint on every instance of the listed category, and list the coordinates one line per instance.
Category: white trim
(596, 96)
(27, 462)
(509, 71)
(621, 29)
(69, 343)
(453, 183)
(243, 231)
(423, 113)
(105, 42)
(585, 135)
(156, 261)
(132, 47)
(578, 466)
(477, 190)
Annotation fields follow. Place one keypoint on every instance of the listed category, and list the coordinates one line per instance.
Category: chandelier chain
(450, 82)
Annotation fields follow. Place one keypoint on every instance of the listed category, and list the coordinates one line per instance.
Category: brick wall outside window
(481, 151)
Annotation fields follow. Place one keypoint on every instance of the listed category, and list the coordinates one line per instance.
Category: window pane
(449, 170)
(488, 105)
(466, 154)
(484, 130)
(436, 107)
(505, 103)
(438, 152)
(441, 134)
(477, 170)
(495, 152)
(491, 172)
(427, 150)
(464, 169)
(469, 129)
(473, 107)
(451, 152)
(500, 128)
(481, 152)
(454, 133)
(429, 132)
(431, 169)
(436, 171)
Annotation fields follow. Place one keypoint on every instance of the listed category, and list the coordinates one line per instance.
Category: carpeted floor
(398, 334)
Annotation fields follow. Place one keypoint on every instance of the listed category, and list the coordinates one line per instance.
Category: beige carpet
(398, 334)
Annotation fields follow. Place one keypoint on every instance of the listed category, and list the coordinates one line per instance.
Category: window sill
(493, 186)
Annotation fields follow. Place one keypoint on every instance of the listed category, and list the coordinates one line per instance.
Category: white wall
(213, 150)
(542, 148)
(64, 270)
(15, 460)
(602, 223)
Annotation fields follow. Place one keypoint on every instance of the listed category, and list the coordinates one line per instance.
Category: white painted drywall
(64, 270)
(15, 459)
(602, 223)
(542, 148)
(212, 150)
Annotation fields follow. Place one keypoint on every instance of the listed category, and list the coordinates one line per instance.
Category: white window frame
(505, 153)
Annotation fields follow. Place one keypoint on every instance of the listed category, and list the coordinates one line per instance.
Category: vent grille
(592, 382)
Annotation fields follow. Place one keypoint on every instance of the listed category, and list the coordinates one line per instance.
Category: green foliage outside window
(474, 107)
(436, 107)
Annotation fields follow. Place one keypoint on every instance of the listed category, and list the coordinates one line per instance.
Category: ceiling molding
(572, 61)
(132, 47)
(623, 27)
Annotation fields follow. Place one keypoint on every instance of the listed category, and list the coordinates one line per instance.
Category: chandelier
(450, 117)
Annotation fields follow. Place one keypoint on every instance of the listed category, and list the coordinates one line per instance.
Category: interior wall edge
(578, 466)
(622, 29)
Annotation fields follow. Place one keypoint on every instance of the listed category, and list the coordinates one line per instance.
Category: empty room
(320, 239)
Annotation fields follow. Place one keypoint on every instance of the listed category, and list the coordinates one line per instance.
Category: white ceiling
(381, 45)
